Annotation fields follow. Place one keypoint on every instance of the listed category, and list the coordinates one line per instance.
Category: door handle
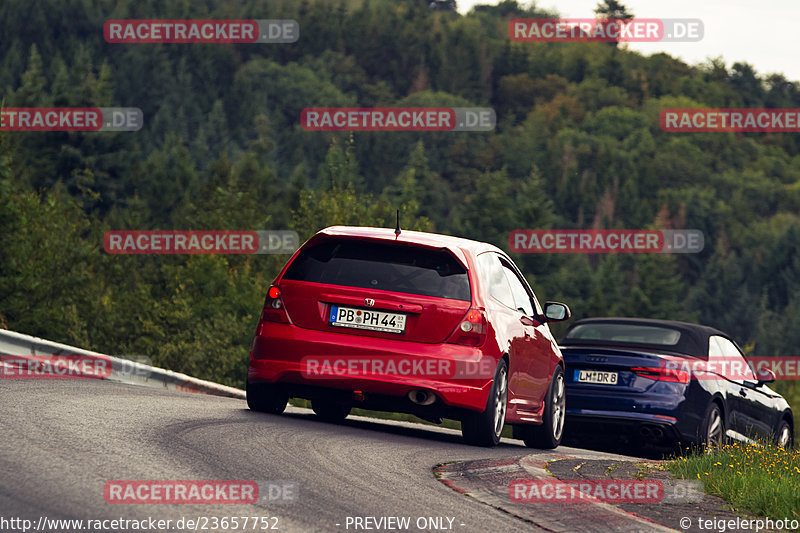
(742, 393)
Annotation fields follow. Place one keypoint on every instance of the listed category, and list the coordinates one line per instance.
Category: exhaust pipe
(421, 397)
(651, 432)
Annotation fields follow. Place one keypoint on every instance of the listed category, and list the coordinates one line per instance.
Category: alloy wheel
(501, 397)
(559, 407)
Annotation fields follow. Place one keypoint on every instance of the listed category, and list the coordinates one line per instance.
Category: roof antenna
(397, 228)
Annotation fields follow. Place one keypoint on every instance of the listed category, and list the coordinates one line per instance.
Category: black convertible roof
(692, 341)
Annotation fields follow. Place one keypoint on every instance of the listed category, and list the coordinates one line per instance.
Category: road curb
(488, 481)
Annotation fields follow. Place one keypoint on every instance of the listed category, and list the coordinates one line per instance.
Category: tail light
(273, 307)
(472, 329)
(673, 375)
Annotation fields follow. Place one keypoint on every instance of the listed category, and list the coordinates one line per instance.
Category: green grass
(763, 480)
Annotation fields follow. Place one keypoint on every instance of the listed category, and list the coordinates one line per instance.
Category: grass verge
(759, 479)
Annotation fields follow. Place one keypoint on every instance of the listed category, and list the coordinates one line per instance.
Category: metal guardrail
(123, 370)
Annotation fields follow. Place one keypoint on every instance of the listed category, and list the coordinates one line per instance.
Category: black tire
(784, 437)
(713, 429)
(266, 398)
(548, 435)
(330, 412)
(484, 429)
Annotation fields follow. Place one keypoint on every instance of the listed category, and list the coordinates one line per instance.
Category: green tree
(612, 9)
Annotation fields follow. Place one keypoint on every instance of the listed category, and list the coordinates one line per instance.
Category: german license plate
(350, 317)
(596, 376)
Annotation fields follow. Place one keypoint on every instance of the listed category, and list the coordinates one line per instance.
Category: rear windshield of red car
(388, 267)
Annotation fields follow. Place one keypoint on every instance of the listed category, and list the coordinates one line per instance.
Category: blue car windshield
(629, 333)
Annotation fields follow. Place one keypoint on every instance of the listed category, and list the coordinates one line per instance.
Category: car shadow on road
(622, 446)
(393, 427)
(450, 436)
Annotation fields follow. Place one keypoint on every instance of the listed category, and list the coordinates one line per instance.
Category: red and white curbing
(488, 481)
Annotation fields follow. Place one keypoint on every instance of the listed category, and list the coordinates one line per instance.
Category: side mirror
(765, 375)
(556, 312)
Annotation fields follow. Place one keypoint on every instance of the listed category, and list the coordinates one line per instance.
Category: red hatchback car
(436, 326)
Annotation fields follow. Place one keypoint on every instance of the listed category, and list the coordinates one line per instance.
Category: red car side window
(493, 275)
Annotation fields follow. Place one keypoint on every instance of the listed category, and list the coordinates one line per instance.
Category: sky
(763, 33)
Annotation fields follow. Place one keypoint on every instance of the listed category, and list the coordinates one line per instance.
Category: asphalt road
(62, 441)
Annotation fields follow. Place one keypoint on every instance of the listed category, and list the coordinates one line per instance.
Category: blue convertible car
(662, 382)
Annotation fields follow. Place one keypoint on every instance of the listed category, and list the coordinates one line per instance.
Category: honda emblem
(369, 301)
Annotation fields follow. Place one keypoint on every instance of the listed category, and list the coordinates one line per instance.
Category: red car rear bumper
(285, 353)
